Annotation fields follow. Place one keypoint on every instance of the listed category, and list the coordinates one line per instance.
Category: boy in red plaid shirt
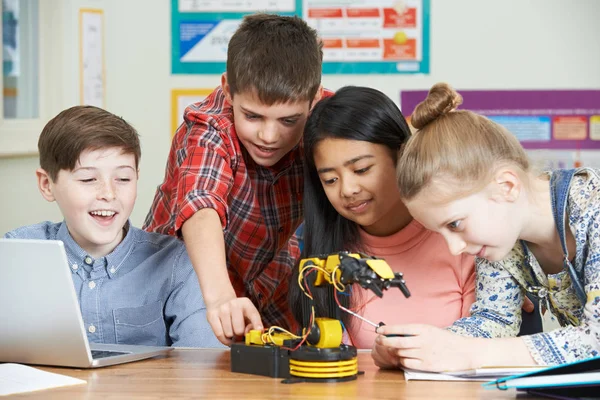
(234, 178)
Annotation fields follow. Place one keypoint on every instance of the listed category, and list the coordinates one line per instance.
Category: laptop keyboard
(103, 354)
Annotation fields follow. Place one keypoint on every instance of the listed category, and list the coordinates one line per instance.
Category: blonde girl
(469, 179)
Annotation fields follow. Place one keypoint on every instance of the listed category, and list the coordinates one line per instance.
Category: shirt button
(113, 270)
(91, 329)
(88, 260)
(280, 229)
(75, 267)
(92, 284)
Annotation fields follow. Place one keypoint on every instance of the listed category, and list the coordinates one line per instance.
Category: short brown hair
(454, 147)
(277, 57)
(81, 128)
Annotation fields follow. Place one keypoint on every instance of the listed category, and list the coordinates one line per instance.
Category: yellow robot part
(381, 268)
(254, 337)
(257, 337)
(324, 370)
(319, 263)
(330, 333)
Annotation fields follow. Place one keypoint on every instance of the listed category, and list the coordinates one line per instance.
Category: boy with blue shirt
(133, 287)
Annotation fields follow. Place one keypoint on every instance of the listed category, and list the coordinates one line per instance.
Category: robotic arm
(341, 269)
(338, 270)
(317, 354)
(347, 268)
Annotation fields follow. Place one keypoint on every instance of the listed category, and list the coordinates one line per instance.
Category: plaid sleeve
(205, 175)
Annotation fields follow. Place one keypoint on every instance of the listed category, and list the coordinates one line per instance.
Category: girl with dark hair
(352, 202)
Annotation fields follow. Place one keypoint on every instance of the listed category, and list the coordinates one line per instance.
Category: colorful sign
(359, 36)
(541, 119)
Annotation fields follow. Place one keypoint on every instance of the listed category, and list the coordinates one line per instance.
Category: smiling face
(96, 198)
(485, 224)
(358, 178)
(268, 132)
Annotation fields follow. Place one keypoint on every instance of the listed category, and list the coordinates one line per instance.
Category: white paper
(92, 59)
(480, 374)
(17, 378)
(496, 372)
(413, 375)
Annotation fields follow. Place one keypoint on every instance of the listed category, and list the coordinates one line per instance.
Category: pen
(394, 334)
(360, 317)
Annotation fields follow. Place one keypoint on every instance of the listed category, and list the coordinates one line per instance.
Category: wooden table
(203, 373)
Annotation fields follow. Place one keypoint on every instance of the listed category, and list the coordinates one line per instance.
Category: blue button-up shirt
(144, 292)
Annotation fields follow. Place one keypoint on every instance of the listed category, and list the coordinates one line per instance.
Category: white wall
(501, 44)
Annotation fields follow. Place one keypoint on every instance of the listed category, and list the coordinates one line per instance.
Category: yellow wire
(267, 337)
(301, 277)
(340, 288)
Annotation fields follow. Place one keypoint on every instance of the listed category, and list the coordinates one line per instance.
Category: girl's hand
(384, 356)
(426, 348)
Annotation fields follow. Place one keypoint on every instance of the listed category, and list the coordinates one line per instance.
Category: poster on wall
(540, 119)
(10, 38)
(359, 36)
(91, 57)
(180, 99)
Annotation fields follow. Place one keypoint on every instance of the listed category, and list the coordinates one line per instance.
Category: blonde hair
(455, 146)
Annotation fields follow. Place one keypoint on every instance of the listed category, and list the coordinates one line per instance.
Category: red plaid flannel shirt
(259, 207)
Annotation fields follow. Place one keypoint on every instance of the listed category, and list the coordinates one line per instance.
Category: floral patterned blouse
(501, 287)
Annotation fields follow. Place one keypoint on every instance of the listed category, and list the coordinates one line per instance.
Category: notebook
(40, 314)
(479, 374)
(574, 380)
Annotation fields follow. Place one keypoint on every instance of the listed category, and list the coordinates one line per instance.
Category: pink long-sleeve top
(442, 286)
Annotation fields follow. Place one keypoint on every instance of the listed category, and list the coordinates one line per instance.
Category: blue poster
(378, 36)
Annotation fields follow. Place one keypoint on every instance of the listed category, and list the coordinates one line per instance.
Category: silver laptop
(40, 319)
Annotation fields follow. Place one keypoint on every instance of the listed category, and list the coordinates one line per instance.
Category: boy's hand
(205, 244)
(428, 348)
(231, 317)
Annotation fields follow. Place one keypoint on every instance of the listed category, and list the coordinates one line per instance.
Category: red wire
(339, 305)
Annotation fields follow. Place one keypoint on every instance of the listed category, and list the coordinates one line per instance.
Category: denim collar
(111, 262)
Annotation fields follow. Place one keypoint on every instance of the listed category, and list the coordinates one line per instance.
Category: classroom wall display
(180, 99)
(541, 119)
(359, 36)
(92, 85)
(10, 38)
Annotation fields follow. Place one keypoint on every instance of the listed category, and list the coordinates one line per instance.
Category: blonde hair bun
(441, 99)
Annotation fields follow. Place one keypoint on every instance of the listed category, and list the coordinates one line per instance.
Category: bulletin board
(359, 36)
(540, 119)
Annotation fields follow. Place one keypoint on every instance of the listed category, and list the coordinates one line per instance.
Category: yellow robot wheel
(313, 364)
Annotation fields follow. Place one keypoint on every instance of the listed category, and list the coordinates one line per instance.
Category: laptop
(40, 318)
